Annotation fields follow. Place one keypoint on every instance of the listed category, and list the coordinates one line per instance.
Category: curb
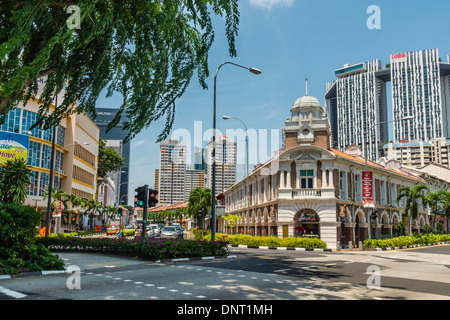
(406, 247)
(33, 273)
(279, 248)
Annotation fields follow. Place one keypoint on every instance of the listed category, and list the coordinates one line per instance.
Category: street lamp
(407, 118)
(246, 159)
(213, 182)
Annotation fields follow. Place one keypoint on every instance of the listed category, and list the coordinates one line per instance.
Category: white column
(330, 178)
(258, 182)
(281, 179)
(288, 179)
(274, 186)
(324, 178)
(266, 187)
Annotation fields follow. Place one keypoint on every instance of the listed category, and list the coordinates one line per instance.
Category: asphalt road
(249, 275)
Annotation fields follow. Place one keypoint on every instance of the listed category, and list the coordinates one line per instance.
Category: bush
(404, 241)
(154, 249)
(271, 241)
(198, 233)
(18, 248)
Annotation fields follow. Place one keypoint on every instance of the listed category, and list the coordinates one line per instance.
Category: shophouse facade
(312, 187)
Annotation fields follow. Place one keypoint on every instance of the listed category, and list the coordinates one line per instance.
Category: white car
(153, 230)
(170, 232)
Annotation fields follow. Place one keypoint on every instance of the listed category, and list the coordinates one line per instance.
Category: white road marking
(281, 270)
(12, 293)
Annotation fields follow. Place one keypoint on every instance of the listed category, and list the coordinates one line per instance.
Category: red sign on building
(367, 189)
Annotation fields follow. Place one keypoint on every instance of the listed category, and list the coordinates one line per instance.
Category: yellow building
(75, 163)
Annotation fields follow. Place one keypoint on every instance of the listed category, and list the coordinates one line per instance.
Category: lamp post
(50, 185)
(247, 174)
(213, 182)
(366, 133)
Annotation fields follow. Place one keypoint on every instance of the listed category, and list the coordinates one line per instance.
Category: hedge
(414, 239)
(271, 241)
(154, 249)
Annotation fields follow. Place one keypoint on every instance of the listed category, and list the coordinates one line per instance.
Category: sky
(287, 40)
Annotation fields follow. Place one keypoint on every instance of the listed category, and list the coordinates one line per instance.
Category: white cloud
(138, 143)
(268, 4)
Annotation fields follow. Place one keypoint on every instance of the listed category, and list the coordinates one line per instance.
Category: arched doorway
(359, 222)
(306, 222)
(385, 225)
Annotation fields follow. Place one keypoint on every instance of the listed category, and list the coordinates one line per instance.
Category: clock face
(305, 132)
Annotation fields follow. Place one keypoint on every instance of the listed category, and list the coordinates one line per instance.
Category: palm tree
(445, 198)
(57, 195)
(433, 199)
(92, 208)
(179, 214)
(110, 211)
(412, 195)
(200, 200)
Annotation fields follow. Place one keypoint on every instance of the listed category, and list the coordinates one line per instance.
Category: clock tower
(307, 125)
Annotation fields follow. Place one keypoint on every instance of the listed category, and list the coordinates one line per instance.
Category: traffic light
(119, 212)
(374, 214)
(152, 201)
(139, 199)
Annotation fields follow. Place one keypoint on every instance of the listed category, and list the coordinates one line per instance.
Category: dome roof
(306, 102)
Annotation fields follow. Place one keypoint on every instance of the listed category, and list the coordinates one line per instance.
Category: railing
(303, 193)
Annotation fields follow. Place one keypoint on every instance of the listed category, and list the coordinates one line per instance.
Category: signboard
(342, 211)
(58, 210)
(13, 146)
(367, 189)
(399, 57)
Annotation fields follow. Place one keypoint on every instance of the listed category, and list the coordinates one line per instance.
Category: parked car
(153, 230)
(112, 229)
(180, 230)
(170, 232)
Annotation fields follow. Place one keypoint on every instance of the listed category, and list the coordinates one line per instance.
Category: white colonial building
(309, 187)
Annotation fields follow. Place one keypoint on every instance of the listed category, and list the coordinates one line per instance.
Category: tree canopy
(108, 161)
(146, 50)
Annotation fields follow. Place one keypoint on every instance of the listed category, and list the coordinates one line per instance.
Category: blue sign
(13, 146)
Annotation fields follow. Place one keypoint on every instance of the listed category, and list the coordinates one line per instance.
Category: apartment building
(194, 179)
(419, 153)
(420, 89)
(172, 172)
(225, 163)
(358, 104)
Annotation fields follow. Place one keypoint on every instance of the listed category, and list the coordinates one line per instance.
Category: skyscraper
(172, 172)
(419, 90)
(420, 85)
(194, 179)
(355, 102)
(114, 139)
(225, 164)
